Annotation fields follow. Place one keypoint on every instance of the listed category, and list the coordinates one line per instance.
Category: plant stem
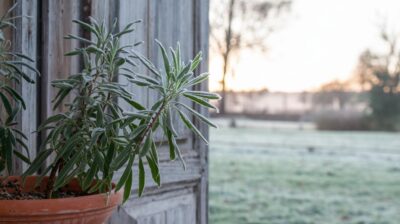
(151, 124)
(50, 182)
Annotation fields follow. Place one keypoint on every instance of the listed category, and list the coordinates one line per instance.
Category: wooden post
(201, 31)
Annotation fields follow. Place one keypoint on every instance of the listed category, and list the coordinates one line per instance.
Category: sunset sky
(319, 42)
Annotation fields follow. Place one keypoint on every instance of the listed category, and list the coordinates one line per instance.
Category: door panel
(183, 194)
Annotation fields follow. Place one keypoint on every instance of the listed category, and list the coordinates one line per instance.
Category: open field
(275, 172)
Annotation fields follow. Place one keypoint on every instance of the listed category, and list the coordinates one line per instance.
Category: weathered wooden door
(182, 198)
(183, 195)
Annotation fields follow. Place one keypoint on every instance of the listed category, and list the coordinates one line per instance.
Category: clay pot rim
(96, 207)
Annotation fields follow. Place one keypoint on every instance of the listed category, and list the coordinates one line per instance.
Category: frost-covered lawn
(275, 172)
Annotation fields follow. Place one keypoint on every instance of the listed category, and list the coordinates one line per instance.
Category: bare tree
(241, 24)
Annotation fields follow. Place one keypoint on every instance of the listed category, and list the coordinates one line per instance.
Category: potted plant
(94, 138)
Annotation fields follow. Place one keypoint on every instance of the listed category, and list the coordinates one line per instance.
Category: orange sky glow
(319, 42)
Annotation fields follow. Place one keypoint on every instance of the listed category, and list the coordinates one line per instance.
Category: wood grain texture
(174, 207)
(201, 32)
(172, 21)
(57, 23)
(8, 34)
(130, 11)
(25, 41)
(57, 19)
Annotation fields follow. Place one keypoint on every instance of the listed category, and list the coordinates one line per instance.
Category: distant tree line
(379, 74)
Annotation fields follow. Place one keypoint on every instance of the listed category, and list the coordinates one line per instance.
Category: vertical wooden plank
(173, 23)
(104, 10)
(185, 35)
(6, 4)
(57, 19)
(57, 23)
(130, 11)
(25, 41)
(201, 8)
(160, 17)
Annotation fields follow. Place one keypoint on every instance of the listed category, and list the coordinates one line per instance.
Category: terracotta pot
(91, 209)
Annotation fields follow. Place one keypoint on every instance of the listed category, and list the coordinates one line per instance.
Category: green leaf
(67, 168)
(6, 103)
(7, 149)
(174, 58)
(196, 61)
(17, 70)
(69, 147)
(66, 179)
(146, 145)
(22, 157)
(134, 104)
(108, 158)
(191, 126)
(165, 58)
(99, 116)
(60, 97)
(38, 162)
(87, 26)
(14, 64)
(14, 113)
(95, 187)
(198, 79)
(153, 152)
(125, 175)
(73, 53)
(200, 101)
(148, 64)
(89, 177)
(121, 159)
(20, 133)
(16, 95)
(178, 55)
(148, 79)
(198, 115)
(127, 188)
(81, 39)
(155, 173)
(171, 144)
(184, 71)
(52, 119)
(98, 158)
(142, 178)
(207, 95)
(137, 131)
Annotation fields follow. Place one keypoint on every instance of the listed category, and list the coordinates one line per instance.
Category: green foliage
(385, 107)
(95, 137)
(380, 72)
(14, 68)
